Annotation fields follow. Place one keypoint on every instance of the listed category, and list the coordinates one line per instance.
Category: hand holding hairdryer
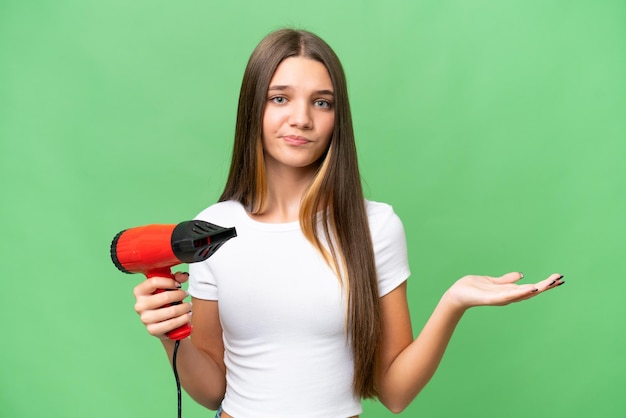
(153, 249)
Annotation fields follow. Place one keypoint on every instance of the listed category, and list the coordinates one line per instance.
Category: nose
(300, 115)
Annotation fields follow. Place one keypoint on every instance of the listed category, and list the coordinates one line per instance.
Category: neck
(285, 188)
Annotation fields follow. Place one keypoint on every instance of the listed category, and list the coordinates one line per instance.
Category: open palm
(472, 290)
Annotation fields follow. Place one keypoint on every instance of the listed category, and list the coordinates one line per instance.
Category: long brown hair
(334, 200)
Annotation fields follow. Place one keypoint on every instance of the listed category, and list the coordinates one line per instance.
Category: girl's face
(299, 114)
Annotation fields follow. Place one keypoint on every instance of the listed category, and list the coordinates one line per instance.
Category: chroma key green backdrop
(496, 129)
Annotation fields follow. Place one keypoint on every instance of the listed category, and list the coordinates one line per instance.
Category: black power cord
(180, 400)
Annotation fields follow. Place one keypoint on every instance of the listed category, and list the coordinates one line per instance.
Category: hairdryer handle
(183, 331)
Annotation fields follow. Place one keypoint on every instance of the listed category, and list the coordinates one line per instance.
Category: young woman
(305, 312)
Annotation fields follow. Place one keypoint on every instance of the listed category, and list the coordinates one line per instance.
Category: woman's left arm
(405, 365)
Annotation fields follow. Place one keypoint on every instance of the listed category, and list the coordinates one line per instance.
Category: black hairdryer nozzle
(196, 240)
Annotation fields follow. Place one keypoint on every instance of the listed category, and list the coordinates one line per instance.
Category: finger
(507, 294)
(530, 292)
(552, 281)
(181, 276)
(556, 282)
(509, 278)
(161, 328)
(165, 314)
(153, 284)
(165, 283)
(158, 300)
(169, 297)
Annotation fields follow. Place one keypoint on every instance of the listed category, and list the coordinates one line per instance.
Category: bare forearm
(413, 368)
(407, 365)
(200, 375)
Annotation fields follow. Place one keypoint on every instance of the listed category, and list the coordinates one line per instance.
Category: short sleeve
(390, 249)
(202, 283)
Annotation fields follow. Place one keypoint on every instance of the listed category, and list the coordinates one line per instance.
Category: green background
(496, 129)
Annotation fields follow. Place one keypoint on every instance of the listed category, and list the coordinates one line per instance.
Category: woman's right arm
(200, 360)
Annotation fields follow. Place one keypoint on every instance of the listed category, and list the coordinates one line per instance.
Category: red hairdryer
(153, 249)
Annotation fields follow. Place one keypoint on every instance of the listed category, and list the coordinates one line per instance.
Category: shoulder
(227, 211)
(377, 208)
(386, 229)
(381, 216)
(389, 244)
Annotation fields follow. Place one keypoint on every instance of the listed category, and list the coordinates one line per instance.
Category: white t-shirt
(283, 313)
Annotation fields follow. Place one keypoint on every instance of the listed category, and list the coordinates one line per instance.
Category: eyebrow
(281, 87)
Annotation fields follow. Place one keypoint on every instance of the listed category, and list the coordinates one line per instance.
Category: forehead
(302, 72)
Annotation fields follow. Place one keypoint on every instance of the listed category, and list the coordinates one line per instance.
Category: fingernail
(535, 290)
(552, 283)
(521, 274)
(560, 283)
(186, 273)
(178, 284)
(560, 277)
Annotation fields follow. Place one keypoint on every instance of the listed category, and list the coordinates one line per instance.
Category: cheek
(266, 122)
(271, 125)
(272, 120)
(329, 125)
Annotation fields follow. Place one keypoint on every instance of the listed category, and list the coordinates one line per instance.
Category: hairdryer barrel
(153, 249)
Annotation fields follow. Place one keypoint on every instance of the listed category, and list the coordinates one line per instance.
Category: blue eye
(278, 99)
(324, 104)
